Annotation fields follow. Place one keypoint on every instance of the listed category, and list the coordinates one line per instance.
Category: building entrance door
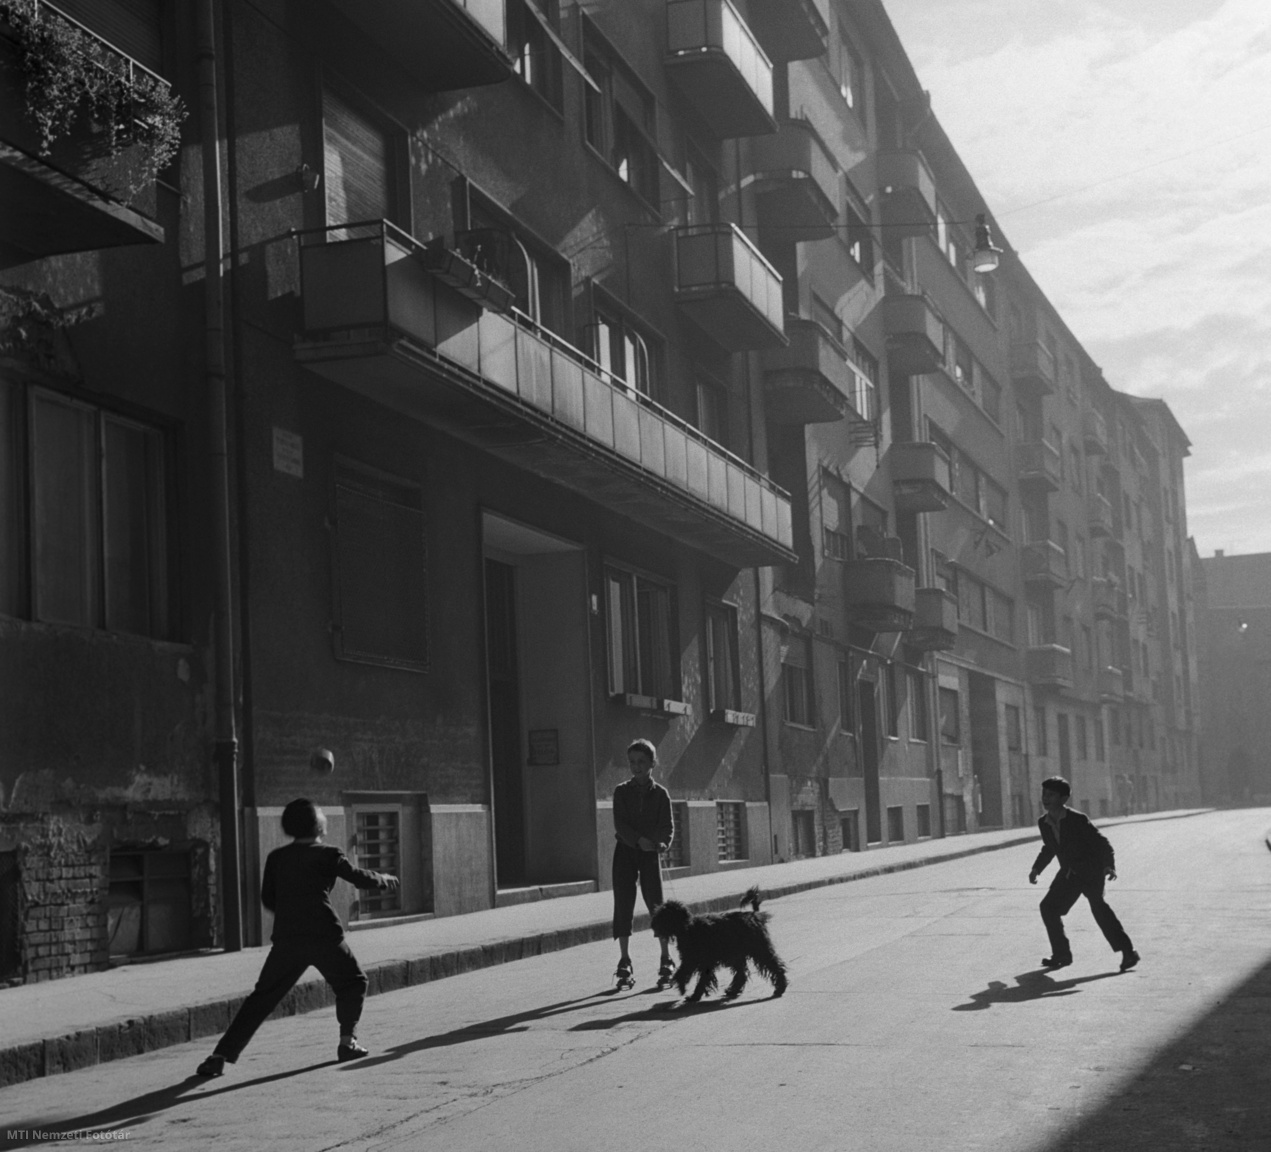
(503, 679)
(867, 704)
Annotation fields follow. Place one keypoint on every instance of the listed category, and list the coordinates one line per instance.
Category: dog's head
(670, 919)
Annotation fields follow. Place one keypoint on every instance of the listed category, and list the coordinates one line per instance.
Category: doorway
(867, 706)
(504, 686)
(1065, 749)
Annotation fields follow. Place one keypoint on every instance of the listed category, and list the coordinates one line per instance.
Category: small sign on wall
(289, 453)
(544, 747)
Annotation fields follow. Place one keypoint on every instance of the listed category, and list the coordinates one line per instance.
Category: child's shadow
(1028, 986)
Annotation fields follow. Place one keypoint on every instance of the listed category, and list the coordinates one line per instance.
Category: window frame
(725, 615)
(631, 623)
(798, 684)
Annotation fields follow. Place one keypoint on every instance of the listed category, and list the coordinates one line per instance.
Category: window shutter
(355, 154)
(132, 26)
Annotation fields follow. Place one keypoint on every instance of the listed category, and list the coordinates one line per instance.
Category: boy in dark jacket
(1086, 860)
(297, 889)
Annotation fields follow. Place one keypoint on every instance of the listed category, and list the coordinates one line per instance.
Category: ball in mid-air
(322, 761)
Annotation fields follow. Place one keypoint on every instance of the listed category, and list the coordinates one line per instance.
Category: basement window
(148, 905)
(379, 849)
(730, 820)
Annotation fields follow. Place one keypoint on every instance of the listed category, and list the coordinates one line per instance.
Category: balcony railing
(1040, 466)
(75, 198)
(724, 284)
(716, 60)
(796, 181)
(920, 477)
(1111, 684)
(1099, 515)
(1109, 599)
(908, 193)
(1049, 666)
(810, 381)
(880, 594)
(442, 44)
(1045, 562)
(915, 335)
(378, 322)
(789, 29)
(1033, 366)
(935, 622)
(1094, 431)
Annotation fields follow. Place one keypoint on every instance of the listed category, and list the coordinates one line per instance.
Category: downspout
(225, 738)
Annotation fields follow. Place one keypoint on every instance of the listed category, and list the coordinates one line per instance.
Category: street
(917, 1018)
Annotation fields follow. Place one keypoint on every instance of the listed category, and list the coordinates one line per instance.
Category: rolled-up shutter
(356, 159)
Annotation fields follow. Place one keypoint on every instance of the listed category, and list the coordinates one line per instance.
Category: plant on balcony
(71, 76)
(30, 328)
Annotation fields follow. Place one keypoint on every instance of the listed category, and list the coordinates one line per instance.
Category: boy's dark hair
(1057, 784)
(644, 746)
(301, 819)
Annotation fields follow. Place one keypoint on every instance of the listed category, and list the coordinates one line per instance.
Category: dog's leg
(771, 965)
(740, 975)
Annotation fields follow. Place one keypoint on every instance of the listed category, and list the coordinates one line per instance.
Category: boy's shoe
(1129, 958)
(353, 1051)
(214, 1065)
(1053, 962)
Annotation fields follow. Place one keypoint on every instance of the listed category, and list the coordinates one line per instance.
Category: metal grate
(676, 855)
(379, 849)
(730, 823)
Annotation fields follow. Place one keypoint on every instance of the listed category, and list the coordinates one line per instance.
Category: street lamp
(987, 254)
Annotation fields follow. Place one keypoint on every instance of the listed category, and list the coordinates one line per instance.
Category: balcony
(442, 44)
(377, 322)
(1099, 515)
(1094, 432)
(725, 286)
(915, 335)
(789, 29)
(880, 594)
(1111, 685)
(1033, 366)
(719, 65)
(1040, 466)
(75, 199)
(810, 381)
(1109, 599)
(796, 182)
(908, 193)
(920, 478)
(1049, 666)
(935, 623)
(1044, 562)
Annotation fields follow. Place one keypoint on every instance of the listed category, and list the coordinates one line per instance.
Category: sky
(1124, 147)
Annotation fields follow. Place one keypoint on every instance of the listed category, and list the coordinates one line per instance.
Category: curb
(132, 1037)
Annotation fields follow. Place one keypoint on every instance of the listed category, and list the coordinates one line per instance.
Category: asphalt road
(917, 1019)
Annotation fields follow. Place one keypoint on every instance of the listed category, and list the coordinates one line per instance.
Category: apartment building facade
(482, 385)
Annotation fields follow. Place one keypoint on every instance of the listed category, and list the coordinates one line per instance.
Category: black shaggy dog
(720, 939)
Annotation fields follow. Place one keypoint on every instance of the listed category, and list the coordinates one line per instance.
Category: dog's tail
(751, 897)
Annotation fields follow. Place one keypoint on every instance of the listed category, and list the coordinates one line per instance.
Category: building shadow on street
(1034, 985)
(1210, 1089)
(135, 1111)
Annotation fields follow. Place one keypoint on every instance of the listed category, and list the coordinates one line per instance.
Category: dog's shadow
(664, 1010)
(1028, 986)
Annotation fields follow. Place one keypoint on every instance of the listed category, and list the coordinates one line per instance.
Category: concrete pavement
(63, 1025)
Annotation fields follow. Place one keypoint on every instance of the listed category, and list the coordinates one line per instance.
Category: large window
(850, 73)
(538, 275)
(865, 381)
(712, 409)
(381, 569)
(836, 517)
(722, 675)
(357, 156)
(534, 53)
(796, 678)
(625, 355)
(621, 122)
(642, 634)
(83, 514)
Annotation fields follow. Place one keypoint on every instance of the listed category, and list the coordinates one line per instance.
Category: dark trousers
(1064, 890)
(629, 866)
(284, 966)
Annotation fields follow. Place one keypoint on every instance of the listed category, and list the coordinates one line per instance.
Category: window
(923, 812)
(919, 716)
(379, 849)
(620, 119)
(730, 823)
(148, 908)
(712, 410)
(960, 362)
(132, 26)
(846, 723)
(540, 278)
(860, 242)
(83, 515)
(991, 398)
(865, 382)
(380, 569)
(1100, 752)
(796, 676)
(895, 824)
(622, 352)
(892, 692)
(1114, 726)
(357, 157)
(703, 204)
(850, 826)
(643, 648)
(850, 73)
(1039, 722)
(836, 517)
(534, 53)
(1014, 729)
(950, 718)
(722, 684)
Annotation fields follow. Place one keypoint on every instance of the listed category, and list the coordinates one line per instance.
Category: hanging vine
(73, 76)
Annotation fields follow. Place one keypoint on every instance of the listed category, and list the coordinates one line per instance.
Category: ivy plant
(72, 76)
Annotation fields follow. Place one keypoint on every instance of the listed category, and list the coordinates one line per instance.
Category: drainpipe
(225, 747)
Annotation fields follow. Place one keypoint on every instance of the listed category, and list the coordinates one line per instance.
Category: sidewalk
(62, 1025)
